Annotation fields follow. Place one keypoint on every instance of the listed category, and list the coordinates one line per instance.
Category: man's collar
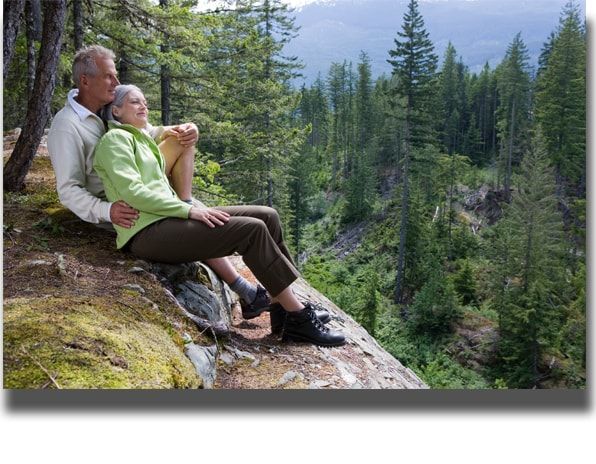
(81, 111)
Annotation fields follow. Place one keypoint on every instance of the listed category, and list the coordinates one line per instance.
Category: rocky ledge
(79, 314)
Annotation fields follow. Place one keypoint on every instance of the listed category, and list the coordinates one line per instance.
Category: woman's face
(133, 111)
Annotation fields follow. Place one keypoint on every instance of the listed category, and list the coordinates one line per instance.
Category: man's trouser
(252, 231)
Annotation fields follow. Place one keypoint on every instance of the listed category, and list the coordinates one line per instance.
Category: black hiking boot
(259, 305)
(277, 314)
(304, 326)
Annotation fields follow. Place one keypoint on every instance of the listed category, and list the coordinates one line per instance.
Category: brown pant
(252, 231)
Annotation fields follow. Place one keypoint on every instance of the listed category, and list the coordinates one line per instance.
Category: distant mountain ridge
(480, 30)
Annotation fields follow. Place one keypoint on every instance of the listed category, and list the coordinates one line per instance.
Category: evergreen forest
(444, 210)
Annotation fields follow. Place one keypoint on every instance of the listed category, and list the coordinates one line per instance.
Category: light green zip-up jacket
(132, 169)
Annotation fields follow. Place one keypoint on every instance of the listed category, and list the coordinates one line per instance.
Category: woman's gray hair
(121, 92)
(84, 61)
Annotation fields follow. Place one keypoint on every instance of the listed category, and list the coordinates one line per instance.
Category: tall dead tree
(38, 108)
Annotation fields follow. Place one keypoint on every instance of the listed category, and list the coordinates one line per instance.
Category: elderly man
(76, 130)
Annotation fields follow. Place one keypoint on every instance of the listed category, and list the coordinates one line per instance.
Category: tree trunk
(494, 122)
(398, 155)
(267, 76)
(77, 20)
(166, 115)
(123, 67)
(269, 182)
(38, 108)
(12, 20)
(507, 185)
(405, 201)
(450, 213)
(528, 255)
(335, 148)
(33, 21)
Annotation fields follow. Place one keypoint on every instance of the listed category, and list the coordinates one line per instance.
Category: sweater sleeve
(115, 164)
(155, 132)
(68, 160)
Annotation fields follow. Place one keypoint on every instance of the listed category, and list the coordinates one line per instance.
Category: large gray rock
(199, 300)
(199, 290)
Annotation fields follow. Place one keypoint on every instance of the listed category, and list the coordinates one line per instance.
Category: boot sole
(300, 339)
(254, 314)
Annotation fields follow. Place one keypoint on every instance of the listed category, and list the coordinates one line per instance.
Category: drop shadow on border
(22, 401)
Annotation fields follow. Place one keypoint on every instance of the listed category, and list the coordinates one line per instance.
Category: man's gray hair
(84, 61)
(121, 92)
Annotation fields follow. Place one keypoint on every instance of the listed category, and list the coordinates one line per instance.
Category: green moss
(91, 343)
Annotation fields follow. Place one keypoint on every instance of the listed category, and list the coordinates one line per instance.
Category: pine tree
(435, 307)
(372, 301)
(314, 110)
(482, 108)
(463, 84)
(465, 284)
(360, 189)
(531, 274)
(514, 108)
(364, 104)
(414, 65)
(361, 181)
(306, 166)
(251, 129)
(349, 122)
(337, 91)
(449, 100)
(561, 102)
(545, 52)
(453, 101)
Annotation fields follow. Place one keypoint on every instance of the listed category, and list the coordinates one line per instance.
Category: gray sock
(244, 289)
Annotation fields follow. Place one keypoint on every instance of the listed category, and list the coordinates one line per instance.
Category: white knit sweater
(74, 133)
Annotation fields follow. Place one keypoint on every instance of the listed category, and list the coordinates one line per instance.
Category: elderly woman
(174, 231)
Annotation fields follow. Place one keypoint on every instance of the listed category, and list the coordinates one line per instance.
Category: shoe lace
(318, 306)
(318, 324)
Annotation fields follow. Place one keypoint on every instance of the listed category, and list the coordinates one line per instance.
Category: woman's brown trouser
(252, 231)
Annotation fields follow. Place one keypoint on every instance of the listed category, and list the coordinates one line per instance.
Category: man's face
(102, 86)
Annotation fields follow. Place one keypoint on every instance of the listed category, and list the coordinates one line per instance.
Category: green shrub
(435, 306)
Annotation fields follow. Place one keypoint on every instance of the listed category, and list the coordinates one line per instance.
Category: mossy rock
(91, 343)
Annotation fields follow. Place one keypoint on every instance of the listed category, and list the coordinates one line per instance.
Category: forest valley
(443, 209)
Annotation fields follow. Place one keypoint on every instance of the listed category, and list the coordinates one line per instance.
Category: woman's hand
(210, 216)
(187, 134)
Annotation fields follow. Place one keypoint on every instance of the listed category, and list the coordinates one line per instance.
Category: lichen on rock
(90, 343)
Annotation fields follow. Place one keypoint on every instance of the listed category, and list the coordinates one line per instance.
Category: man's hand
(187, 134)
(210, 216)
(123, 215)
